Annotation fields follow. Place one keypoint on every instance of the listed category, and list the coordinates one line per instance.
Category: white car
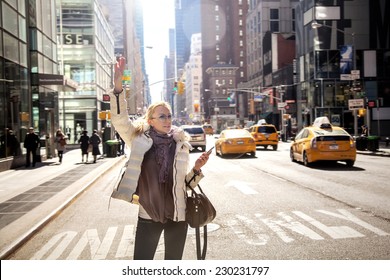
(198, 136)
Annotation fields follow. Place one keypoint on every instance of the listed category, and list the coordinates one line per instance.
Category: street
(267, 208)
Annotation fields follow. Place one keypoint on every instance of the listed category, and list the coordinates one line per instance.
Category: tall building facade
(223, 56)
(335, 34)
(271, 30)
(30, 77)
(187, 23)
(168, 93)
(193, 77)
(86, 51)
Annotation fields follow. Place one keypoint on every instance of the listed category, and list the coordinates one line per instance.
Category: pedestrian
(10, 145)
(121, 150)
(84, 145)
(160, 164)
(95, 141)
(31, 143)
(60, 141)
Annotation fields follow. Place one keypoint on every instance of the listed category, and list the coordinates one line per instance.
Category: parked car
(265, 135)
(198, 136)
(208, 129)
(235, 141)
(323, 141)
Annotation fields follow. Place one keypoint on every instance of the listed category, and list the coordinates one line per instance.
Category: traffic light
(232, 99)
(175, 86)
(196, 107)
(180, 87)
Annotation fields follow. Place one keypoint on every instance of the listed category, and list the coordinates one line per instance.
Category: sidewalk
(383, 151)
(30, 197)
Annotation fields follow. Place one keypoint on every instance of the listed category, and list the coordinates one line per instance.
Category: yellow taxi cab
(235, 141)
(265, 135)
(323, 141)
(208, 129)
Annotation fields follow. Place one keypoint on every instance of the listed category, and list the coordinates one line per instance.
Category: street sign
(281, 105)
(355, 104)
(355, 74)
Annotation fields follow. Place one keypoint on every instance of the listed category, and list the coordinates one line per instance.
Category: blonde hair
(139, 124)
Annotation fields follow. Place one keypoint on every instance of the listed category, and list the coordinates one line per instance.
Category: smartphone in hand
(209, 151)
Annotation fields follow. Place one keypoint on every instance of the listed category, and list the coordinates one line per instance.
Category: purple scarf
(162, 143)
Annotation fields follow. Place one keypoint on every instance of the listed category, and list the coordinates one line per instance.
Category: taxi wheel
(305, 159)
(253, 154)
(292, 155)
(275, 147)
(350, 163)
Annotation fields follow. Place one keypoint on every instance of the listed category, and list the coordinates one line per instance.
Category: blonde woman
(159, 164)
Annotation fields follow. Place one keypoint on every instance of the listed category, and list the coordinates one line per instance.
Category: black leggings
(148, 235)
(60, 155)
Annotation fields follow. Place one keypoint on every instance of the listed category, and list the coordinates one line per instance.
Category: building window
(293, 20)
(11, 48)
(216, 8)
(274, 20)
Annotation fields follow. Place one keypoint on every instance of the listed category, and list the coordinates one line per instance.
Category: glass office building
(55, 65)
(85, 53)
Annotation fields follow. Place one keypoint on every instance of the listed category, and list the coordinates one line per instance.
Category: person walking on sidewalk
(95, 140)
(84, 145)
(31, 143)
(60, 141)
(159, 165)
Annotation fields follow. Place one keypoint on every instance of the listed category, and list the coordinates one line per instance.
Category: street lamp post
(316, 25)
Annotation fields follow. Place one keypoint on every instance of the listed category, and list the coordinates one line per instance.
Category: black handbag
(199, 212)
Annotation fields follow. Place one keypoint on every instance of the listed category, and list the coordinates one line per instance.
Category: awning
(54, 82)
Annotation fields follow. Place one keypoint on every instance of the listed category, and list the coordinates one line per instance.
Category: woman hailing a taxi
(159, 164)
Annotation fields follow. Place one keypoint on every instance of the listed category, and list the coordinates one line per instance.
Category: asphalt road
(268, 208)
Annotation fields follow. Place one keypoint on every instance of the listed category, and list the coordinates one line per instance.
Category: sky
(159, 17)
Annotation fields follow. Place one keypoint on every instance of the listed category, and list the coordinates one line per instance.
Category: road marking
(289, 223)
(350, 217)
(63, 239)
(242, 187)
(256, 229)
(126, 245)
(251, 231)
(333, 231)
(99, 249)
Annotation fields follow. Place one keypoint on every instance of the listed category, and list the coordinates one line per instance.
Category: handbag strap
(118, 110)
(201, 254)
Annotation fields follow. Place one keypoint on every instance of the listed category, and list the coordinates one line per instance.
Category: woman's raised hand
(118, 73)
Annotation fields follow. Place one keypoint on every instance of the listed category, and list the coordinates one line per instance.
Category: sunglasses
(164, 118)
